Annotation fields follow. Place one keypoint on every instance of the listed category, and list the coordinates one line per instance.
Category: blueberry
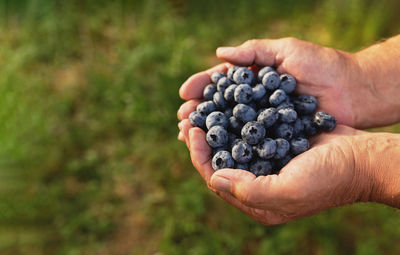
(242, 152)
(263, 71)
(197, 119)
(266, 149)
(253, 132)
(277, 97)
(305, 104)
(324, 121)
(229, 93)
(288, 83)
(209, 91)
(282, 148)
(234, 142)
(217, 136)
(228, 112)
(206, 107)
(268, 117)
(261, 167)
(231, 71)
(219, 100)
(216, 119)
(242, 166)
(243, 94)
(235, 125)
(222, 159)
(284, 131)
(287, 115)
(298, 128)
(310, 128)
(243, 75)
(271, 80)
(223, 83)
(285, 105)
(216, 76)
(299, 145)
(244, 113)
(259, 92)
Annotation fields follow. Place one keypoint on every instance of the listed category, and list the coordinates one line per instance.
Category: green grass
(89, 159)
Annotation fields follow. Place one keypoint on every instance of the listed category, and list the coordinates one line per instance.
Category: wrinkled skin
(342, 167)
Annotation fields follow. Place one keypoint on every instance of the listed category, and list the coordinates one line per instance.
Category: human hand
(334, 77)
(342, 167)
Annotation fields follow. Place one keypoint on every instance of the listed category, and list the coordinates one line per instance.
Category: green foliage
(89, 159)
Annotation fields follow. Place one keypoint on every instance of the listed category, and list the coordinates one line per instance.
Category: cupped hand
(324, 176)
(333, 76)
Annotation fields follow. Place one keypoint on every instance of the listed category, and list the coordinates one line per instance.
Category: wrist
(377, 161)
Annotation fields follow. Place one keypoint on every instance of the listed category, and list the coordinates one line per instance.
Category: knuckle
(250, 43)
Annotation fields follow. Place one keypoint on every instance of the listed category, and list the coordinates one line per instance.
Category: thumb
(261, 52)
(261, 192)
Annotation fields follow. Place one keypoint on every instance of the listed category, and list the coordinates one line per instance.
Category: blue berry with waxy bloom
(268, 117)
(278, 97)
(263, 71)
(215, 76)
(271, 80)
(288, 83)
(258, 92)
(217, 136)
(235, 125)
(223, 83)
(243, 94)
(231, 71)
(222, 159)
(310, 128)
(220, 101)
(299, 145)
(243, 75)
(253, 132)
(324, 121)
(244, 113)
(266, 149)
(285, 105)
(282, 148)
(284, 131)
(216, 119)
(229, 93)
(222, 148)
(298, 127)
(242, 166)
(287, 115)
(305, 104)
(197, 119)
(209, 91)
(242, 152)
(206, 107)
(261, 167)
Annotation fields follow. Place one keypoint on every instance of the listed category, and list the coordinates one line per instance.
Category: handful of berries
(257, 123)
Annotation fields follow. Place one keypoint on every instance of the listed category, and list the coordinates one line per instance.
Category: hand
(325, 176)
(334, 77)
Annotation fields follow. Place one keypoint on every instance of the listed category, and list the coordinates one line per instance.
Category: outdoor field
(89, 157)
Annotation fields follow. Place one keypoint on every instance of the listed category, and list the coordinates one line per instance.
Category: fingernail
(225, 50)
(221, 183)
(180, 136)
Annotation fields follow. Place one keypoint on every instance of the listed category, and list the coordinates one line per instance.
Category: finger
(193, 87)
(200, 153)
(181, 137)
(186, 126)
(186, 108)
(264, 216)
(261, 52)
(263, 192)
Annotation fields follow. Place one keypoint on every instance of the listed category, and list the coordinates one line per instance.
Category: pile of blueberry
(257, 123)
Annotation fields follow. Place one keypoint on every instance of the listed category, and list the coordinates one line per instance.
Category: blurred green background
(89, 159)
